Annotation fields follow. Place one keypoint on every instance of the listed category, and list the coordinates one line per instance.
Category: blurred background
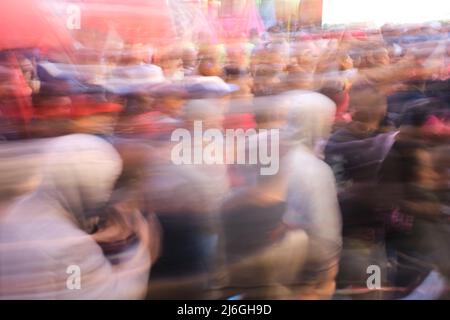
(92, 90)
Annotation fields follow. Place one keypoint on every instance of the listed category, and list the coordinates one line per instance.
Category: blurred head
(310, 117)
(373, 55)
(79, 173)
(209, 67)
(299, 77)
(307, 60)
(345, 62)
(170, 61)
(381, 57)
(236, 55)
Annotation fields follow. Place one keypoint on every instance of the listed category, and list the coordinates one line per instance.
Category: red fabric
(83, 105)
(136, 21)
(17, 104)
(53, 112)
(31, 24)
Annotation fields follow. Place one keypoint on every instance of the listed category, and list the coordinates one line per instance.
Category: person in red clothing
(15, 97)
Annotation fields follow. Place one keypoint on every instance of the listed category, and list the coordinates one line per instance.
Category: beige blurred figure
(47, 234)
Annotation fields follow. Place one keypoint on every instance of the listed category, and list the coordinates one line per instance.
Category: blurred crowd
(87, 179)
